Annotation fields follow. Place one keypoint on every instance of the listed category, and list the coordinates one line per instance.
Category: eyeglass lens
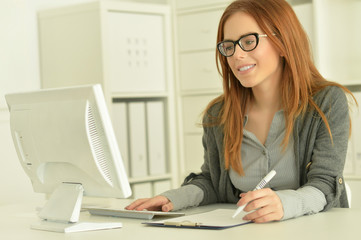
(247, 43)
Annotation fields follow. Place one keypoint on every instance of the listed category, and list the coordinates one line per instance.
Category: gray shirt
(319, 160)
(258, 160)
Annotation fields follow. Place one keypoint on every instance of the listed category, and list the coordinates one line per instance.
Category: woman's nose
(239, 52)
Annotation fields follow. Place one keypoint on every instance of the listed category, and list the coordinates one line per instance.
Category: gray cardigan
(320, 161)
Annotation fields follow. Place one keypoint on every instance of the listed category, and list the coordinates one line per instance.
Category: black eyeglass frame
(257, 35)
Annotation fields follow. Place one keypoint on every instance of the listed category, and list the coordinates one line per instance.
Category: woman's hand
(266, 203)
(158, 203)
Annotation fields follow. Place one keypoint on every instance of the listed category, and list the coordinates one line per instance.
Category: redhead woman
(276, 112)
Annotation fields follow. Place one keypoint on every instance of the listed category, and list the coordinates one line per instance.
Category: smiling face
(260, 67)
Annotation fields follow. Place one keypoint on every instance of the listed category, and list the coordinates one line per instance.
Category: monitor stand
(61, 212)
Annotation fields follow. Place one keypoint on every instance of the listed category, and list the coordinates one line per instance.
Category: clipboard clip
(185, 223)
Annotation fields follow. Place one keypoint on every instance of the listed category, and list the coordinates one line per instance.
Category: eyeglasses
(247, 42)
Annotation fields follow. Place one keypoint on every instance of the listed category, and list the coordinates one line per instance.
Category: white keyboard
(131, 213)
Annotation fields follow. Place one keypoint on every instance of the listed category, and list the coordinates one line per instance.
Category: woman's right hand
(157, 203)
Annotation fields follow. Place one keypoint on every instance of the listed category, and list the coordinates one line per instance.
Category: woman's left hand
(266, 203)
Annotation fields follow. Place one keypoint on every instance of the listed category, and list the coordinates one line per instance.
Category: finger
(167, 207)
(258, 213)
(252, 195)
(267, 209)
(242, 194)
(136, 203)
(243, 200)
(153, 204)
(268, 218)
(258, 203)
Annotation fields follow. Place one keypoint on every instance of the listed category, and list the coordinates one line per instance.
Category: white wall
(19, 71)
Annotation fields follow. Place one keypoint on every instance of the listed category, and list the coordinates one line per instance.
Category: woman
(276, 112)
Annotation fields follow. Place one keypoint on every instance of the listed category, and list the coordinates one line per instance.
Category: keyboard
(112, 212)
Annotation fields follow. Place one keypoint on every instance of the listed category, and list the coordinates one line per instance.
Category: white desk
(337, 224)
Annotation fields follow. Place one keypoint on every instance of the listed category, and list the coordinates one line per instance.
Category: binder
(216, 219)
(138, 148)
(156, 138)
(120, 124)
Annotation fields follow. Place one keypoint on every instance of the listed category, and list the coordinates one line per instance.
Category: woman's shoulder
(213, 110)
(332, 94)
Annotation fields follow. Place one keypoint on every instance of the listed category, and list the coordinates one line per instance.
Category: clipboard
(217, 219)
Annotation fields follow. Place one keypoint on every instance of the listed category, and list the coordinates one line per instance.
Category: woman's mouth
(245, 68)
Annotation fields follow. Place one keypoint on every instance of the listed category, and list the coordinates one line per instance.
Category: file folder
(120, 124)
(138, 147)
(156, 138)
(217, 219)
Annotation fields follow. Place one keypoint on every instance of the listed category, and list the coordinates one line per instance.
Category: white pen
(260, 185)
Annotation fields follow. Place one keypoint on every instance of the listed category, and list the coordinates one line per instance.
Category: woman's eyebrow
(245, 34)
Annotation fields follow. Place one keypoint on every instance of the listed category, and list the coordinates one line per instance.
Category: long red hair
(300, 79)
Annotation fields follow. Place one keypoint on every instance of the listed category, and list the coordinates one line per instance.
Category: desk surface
(335, 224)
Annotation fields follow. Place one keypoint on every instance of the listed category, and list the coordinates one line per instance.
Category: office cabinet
(189, 5)
(126, 47)
(136, 56)
(197, 31)
(198, 81)
(201, 66)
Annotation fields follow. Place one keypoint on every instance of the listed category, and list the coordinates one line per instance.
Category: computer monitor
(65, 142)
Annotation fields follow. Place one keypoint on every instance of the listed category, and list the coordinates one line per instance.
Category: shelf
(150, 178)
(201, 93)
(198, 6)
(352, 177)
(354, 86)
(298, 2)
(139, 95)
(213, 49)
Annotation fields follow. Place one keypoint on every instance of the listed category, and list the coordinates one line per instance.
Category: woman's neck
(267, 97)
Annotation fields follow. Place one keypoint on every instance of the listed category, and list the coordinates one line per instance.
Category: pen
(260, 185)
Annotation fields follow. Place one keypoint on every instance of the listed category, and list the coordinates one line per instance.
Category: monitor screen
(65, 136)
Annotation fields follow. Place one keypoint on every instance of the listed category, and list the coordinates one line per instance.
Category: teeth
(246, 68)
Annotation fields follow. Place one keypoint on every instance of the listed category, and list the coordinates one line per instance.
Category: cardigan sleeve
(213, 180)
(207, 179)
(325, 157)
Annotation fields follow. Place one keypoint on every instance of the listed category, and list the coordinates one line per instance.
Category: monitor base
(74, 227)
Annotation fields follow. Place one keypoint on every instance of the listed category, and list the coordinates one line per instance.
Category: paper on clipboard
(216, 219)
